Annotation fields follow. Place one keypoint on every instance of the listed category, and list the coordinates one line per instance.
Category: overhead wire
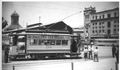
(49, 8)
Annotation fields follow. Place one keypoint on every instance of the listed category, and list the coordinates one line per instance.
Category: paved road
(78, 64)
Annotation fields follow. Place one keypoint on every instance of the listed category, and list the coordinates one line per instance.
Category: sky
(52, 11)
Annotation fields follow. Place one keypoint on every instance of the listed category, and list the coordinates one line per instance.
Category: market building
(14, 22)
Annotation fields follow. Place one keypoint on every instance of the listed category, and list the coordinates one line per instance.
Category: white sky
(52, 11)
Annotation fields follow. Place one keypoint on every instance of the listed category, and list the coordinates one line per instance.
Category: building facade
(87, 20)
(103, 26)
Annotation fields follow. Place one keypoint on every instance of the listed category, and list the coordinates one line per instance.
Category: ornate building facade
(102, 26)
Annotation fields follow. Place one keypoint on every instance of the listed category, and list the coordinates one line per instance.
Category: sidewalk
(78, 64)
(103, 64)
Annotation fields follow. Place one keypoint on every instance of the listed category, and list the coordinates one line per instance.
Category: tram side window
(47, 42)
(58, 42)
(64, 42)
(43, 42)
(34, 42)
(52, 42)
(40, 42)
(31, 40)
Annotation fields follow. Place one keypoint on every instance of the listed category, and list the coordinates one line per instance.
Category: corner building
(103, 26)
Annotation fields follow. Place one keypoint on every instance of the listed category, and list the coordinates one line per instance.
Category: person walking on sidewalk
(85, 52)
(96, 54)
(113, 50)
(117, 54)
(90, 52)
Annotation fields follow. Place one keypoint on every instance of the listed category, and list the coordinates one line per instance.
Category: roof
(34, 25)
(58, 27)
(12, 27)
(14, 14)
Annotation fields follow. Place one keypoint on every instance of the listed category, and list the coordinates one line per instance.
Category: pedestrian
(96, 54)
(117, 54)
(6, 53)
(113, 50)
(85, 52)
(90, 52)
(74, 46)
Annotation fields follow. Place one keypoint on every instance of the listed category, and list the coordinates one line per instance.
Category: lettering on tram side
(49, 41)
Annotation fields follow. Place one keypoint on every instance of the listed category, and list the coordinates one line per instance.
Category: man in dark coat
(74, 46)
(113, 50)
(117, 54)
(6, 53)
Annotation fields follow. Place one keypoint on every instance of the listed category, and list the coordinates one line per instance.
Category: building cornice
(107, 11)
(111, 18)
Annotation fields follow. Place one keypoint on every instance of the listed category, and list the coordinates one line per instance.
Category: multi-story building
(87, 20)
(103, 26)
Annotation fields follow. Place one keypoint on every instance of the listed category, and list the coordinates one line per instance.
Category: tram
(47, 41)
(39, 45)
